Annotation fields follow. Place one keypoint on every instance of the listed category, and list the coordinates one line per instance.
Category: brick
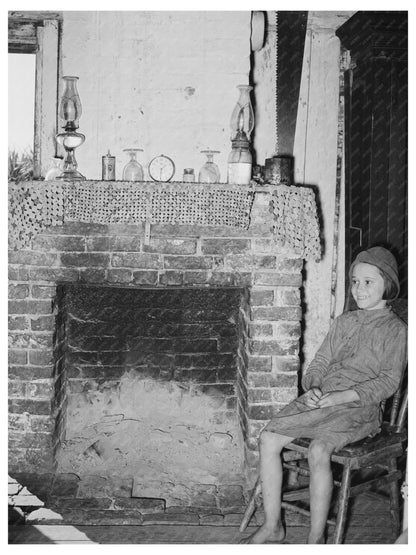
(30, 372)
(136, 260)
(59, 243)
(100, 486)
(19, 422)
(18, 274)
(244, 262)
(230, 279)
(287, 296)
(78, 228)
(29, 440)
(225, 246)
(144, 505)
(226, 374)
(259, 364)
(195, 278)
(39, 358)
(257, 395)
(119, 276)
(171, 246)
(259, 330)
(284, 395)
(277, 348)
(261, 297)
(171, 278)
(275, 279)
(171, 518)
(262, 412)
(187, 262)
(30, 307)
(19, 291)
(288, 330)
(213, 520)
(18, 323)
(289, 265)
(44, 424)
(122, 243)
(103, 517)
(53, 274)
(43, 291)
(17, 389)
(32, 258)
(260, 379)
(145, 278)
(286, 364)
(85, 259)
(17, 357)
(42, 323)
(62, 504)
(39, 390)
(275, 313)
(19, 406)
(27, 459)
(92, 275)
(98, 243)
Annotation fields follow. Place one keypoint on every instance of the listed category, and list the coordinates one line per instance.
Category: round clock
(161, 168)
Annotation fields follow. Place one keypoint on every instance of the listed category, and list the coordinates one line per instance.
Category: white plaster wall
(162, 81)
(315, 152)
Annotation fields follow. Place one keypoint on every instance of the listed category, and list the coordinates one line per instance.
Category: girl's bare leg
(321, 484)
(271, 474)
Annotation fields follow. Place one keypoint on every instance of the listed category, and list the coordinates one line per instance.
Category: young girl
(359, 364)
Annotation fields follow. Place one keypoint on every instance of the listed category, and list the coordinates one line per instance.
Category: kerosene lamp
(242, 124)
(70, 111)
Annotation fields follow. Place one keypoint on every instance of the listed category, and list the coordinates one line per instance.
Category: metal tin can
(108, 167)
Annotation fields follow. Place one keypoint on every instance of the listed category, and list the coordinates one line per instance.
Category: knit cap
(383, 259)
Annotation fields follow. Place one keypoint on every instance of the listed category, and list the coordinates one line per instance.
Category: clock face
(161, 168)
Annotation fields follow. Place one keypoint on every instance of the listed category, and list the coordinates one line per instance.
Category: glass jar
(55, 170)
(209, 172)
(133, 171)
(188, 175)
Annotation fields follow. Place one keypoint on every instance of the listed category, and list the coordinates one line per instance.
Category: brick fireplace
(231, 354)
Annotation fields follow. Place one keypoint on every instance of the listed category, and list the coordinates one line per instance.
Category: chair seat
(386, 441)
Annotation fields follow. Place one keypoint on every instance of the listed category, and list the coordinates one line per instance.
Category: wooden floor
(369, 523)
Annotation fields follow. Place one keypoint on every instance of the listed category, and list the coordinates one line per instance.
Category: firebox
(150, 383)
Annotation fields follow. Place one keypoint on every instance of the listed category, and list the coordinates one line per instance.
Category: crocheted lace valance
(34, 206)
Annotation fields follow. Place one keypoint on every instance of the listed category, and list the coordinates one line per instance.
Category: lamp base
(72, 175)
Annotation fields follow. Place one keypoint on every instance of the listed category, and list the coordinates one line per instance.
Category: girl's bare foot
(265, 534)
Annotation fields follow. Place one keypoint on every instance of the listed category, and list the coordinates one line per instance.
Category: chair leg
(394, 495)
(293, 476)
(343, 500)
(251, 507)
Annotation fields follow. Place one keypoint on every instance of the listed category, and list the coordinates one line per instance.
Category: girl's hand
(337, 398)
(312, 397)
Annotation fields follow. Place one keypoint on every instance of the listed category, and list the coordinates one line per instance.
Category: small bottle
(108, 167)
(188, 175)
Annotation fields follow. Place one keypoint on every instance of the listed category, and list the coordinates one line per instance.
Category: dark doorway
(376, 134)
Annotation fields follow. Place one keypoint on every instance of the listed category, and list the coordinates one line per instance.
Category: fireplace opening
(146, 384)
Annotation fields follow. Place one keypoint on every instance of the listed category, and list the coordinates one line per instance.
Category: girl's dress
(365, 350)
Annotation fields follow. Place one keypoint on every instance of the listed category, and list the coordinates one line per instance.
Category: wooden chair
(364, 465)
